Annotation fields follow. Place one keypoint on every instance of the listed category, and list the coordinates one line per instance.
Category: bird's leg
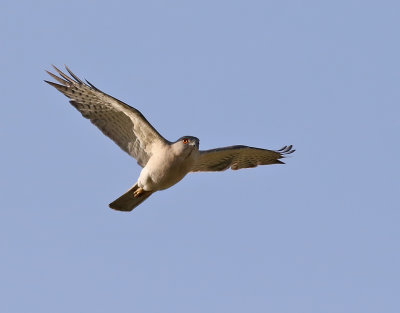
(138, 192)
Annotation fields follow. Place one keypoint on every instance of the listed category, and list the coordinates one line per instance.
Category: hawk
(164, 162)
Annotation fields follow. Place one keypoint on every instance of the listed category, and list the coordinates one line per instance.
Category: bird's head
(186, 145)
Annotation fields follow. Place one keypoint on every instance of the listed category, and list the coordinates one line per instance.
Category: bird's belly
(159, 179)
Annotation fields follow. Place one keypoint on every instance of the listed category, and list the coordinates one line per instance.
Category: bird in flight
(164, 162)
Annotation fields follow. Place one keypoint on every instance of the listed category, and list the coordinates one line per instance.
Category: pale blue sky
(319, 234)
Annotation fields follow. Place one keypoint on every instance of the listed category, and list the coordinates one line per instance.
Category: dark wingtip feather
(285, 150)
(91, 85)
(54, 84)
(69, 79)
(61, 88)
(73, 75)
(59, 79)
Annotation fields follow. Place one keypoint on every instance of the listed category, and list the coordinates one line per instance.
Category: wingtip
(285, 150)
(55, 68)
(73, 75)
(91, 85)
(51, 83)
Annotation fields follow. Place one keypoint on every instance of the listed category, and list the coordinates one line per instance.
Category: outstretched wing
(237, 157)
(125, 125)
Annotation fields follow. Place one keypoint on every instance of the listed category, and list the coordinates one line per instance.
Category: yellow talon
(138, 192)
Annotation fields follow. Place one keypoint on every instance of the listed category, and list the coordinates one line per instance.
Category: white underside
(164, 169)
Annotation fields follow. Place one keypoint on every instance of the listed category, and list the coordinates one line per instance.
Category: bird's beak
(195, 143)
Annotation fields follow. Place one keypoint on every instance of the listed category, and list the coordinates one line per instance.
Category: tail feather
(127, 202)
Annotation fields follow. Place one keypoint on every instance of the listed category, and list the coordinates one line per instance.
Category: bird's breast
(163, 171)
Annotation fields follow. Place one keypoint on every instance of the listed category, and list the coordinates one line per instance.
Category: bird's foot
(138, 192)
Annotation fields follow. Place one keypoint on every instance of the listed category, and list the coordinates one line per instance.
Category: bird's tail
(127, 202)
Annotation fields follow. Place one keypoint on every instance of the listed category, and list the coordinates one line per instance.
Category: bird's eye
(185, 141)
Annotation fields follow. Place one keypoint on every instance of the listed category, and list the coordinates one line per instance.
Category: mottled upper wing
(125, 125)
(237, 157)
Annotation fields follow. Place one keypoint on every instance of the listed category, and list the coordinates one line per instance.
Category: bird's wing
(125, 125)
(237, 157)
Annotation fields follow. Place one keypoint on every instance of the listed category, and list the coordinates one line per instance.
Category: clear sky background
(319, 234)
